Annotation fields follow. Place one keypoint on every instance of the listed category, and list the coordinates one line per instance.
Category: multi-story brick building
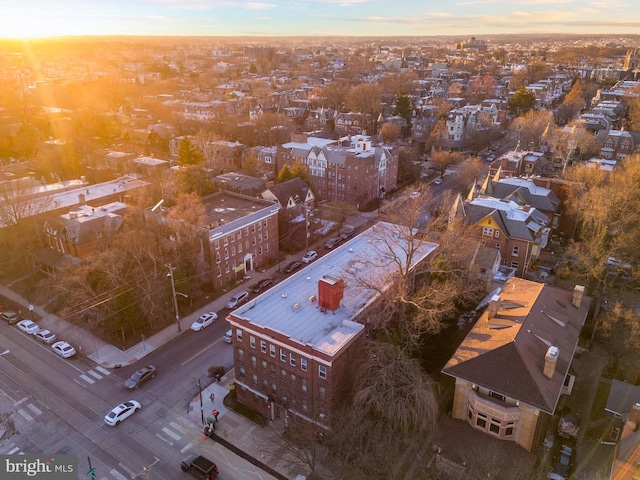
(242, 233)
(514, 364)
(356, 173)
(295, 344)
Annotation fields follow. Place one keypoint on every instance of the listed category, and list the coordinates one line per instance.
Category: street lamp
(173, 291)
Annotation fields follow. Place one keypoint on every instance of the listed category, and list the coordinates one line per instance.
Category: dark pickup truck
(199, 467)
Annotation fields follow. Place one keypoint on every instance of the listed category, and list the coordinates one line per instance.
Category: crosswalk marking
(186, 447)
(13, 450)
(25, 415)
(87, 379)
(34, 409)
(165, 440)
(170, 433)
(104, 371)
(178, 427)
(94, 374)
(117, 474)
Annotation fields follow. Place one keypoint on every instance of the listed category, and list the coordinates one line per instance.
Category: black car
(333, 243)
(140, 377)
(262, 285)
(292, 266)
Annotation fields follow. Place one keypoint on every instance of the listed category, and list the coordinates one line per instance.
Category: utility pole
(201, 406)
(173, 290)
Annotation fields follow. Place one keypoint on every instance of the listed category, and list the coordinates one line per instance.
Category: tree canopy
(521, 102)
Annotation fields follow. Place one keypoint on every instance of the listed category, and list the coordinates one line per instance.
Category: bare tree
(20, 199)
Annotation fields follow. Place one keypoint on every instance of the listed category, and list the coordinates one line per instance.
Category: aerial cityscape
(320, 240)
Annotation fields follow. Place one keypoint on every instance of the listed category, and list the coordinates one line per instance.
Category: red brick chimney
(550, 361)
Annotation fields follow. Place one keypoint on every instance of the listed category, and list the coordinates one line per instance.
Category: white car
(46, 336)
(437, 181)
(310, 256)
(122, 411)
(203, 321)
(415, 194)
(27, 326)
(63, 349)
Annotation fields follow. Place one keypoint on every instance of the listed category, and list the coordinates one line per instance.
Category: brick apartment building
(295, 344)
(242, 234)
(356, 172)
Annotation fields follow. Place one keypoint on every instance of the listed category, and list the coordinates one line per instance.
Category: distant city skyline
(42, 18)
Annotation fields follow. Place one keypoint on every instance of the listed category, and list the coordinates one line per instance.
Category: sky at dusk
(41, 18)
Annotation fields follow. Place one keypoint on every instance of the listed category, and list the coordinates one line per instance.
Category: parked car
(228, 336)
(140, 377)
(204, 321)
(27, 326)
(310, 256)
(262, 285)
(121, 412)
(63, 349)
(46, 336)
(292, 266)
(237, 300)
(344, 236)
(437, 181)
(415, 194)
(10, 317)
(332, 243)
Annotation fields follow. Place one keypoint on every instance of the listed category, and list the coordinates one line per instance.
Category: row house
(295, 345)
(294, 197)
(266, 157)
(516, 163)
(617, 144)
(357, 174)
(354, 124)
(514, 365)
(520, 232)
(242, 235)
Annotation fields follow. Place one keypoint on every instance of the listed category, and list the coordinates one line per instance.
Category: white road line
(20, 401)
(117, 474)
(34, 409)
(103, 370)
(178, 427)
(94, 374)
(13, 450)
(86, 379)
(128, 470)
(25, 415)
(164, 439)
(170, 433)
(186, 447)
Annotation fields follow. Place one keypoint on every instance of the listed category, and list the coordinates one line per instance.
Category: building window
(253, 361)
(469, 414)
(497, 235)
(283, 372)
(252, 341)
(516, 251)
(242, 372)
(272, 350)
(508, 432)
(265, 385)
(216, 244)
(239, 335)
(283, 355)
(494, 427)
(266, 235)
(239, 234)
(263, 346)
(497, 396)
(240, 355)
(497, 246)
(481, 421)
(303, 384)
(274, 388)
(322, 371)
(293, 379)
(515, 265)
(487, 231)
(322, 393)
(303, 364)
(254, 379)
(233, 250)
(263, 363)
(304, 405)
(292, 359)
(273, 368)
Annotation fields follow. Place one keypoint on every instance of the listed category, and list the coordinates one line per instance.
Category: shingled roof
(506, 353)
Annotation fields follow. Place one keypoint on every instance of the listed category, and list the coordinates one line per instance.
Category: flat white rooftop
(365, 263)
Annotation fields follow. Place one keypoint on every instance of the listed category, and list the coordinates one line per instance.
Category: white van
(228, 336)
